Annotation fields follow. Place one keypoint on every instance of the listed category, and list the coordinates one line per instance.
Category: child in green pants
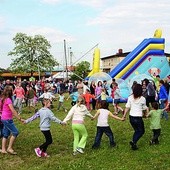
(78, 113)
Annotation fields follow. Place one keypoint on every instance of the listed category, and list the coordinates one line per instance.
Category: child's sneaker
(133, 145)
(113, 145)
(38, 152)
(80, 150)
(44, 154)
(151, 142)
(75, 153)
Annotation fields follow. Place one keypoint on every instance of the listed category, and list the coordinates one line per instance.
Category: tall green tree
(81, 70)
(31, 54)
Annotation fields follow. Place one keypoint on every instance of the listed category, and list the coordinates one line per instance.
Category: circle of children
(148, 99)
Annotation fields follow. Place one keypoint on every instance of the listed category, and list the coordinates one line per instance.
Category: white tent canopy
(62, 75)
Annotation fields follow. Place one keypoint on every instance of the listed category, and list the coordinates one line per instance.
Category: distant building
(6, 74)
(110, 62)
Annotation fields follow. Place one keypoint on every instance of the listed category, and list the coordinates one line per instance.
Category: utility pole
(68, 61)
(71, 57)
(65, 59)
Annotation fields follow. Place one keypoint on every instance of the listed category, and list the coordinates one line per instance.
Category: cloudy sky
(112, 24)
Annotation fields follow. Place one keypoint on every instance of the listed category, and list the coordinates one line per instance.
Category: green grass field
(119, 158)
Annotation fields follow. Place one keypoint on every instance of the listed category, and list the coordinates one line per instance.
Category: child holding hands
(78, 113)
(9, 129)
(45, 115)
(155, 119)
(102, 125)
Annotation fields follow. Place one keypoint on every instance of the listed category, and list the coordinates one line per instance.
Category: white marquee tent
(62, 75)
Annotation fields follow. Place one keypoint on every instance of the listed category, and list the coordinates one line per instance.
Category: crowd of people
(148, 99)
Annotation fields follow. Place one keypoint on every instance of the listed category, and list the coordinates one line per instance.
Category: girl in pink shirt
(9, 128)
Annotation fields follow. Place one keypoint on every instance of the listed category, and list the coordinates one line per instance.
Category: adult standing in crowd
(57, 84)
(70, 87)
(92, 91)
(167, 85)
(9, 83)
(106, 87)
(80, 87)
(20, 94)
(112, 85)
(163, 97)
(62, 86)
(151, 92)
(38, 88)
(98, 91)
(85, 87)
(24, 84)
(1, 87)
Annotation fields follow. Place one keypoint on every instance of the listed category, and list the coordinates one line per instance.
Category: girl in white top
(78, 113)
(47, 95)
(102, 125)
(136, 104)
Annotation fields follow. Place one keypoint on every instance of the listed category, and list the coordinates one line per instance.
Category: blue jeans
(9, 128)
(99, 133)
(138, 126)
(162, 106)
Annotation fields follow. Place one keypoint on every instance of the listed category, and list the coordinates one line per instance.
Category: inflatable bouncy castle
(96, 62)
(146, 61)
(147, 58)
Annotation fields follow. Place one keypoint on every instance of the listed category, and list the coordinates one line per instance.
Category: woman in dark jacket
(92, 90)
(151, 92)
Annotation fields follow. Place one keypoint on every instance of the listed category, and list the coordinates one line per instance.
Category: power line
(85, 54)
